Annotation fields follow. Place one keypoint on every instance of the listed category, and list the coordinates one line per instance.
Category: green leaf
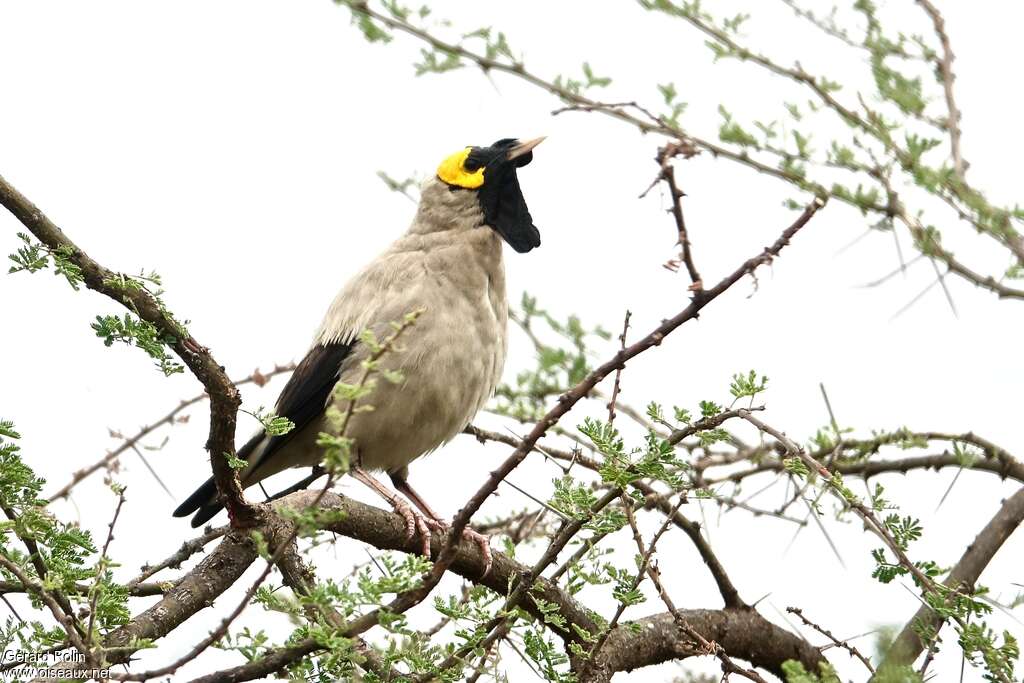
(234, 462)
(134, 331)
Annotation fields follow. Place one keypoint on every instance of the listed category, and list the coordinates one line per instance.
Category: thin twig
(925, 583)
(668, 174)
(618, 371)
(101, 566)
(708, 646)
(907, 646)
(835, 641)
(645, 554)
(945, 69)
(187, 550)
(66, 621)
(258, 378)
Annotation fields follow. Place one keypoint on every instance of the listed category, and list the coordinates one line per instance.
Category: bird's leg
(300, 485)
(402, 485)
(414, 522)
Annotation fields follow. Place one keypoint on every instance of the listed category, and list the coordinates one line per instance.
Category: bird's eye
(474, 161)
(463, 169)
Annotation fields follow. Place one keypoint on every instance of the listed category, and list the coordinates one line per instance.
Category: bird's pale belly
(446, 381)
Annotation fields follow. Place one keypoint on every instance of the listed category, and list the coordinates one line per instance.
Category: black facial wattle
(505, 209)
(501, 198)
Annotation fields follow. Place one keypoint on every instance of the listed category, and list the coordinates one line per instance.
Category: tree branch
(194, 592)
(224, 397)
(730, 595)
(258, 378)
(567, 400)
(871, 123)
(742, 632)
(945, 68)
(964, 575)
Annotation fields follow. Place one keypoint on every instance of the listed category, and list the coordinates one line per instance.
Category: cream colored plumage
(448, 265)
(452, 269)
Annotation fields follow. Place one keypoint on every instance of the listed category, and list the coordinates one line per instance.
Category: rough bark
(908, 644)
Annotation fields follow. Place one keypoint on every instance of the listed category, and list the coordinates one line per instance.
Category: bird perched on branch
(449, 265)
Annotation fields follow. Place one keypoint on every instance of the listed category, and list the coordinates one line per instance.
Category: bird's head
(490, 172)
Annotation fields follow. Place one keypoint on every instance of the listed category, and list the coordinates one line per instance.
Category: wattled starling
(447, 264)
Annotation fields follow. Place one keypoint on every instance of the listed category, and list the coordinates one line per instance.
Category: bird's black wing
(304, 397)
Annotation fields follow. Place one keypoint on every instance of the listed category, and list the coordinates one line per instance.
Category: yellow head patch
(453, 171)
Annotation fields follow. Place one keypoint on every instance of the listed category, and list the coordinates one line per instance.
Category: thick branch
(195, 591)
(387, 531)
(224, 397)
(743, 632)
(967, 571)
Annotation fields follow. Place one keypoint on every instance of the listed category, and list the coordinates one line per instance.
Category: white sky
(233, 147)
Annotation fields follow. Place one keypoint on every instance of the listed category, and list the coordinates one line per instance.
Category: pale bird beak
(524, 147)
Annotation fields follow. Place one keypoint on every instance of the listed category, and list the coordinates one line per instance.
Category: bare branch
(567, 400)
(224, 397)
(102, 566)
(668, 174)
(945, 67)
(618, 371)
(257, 377)
(187, 550)
(835, 641)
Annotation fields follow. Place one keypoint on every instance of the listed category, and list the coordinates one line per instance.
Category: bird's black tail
(205, 501)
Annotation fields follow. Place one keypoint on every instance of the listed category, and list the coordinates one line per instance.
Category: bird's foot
(415, 523)
(484, 543)
(469, 534)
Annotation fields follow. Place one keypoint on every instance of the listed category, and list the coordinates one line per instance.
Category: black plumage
(302, 401)
(448, 263)
(501, 198)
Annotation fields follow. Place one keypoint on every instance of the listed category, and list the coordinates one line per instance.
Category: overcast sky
(234, 146)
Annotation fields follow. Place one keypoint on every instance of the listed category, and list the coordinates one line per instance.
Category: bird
(449, 265)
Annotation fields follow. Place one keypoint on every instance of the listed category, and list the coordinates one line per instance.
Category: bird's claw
(485, 546)
(469, 534)
(415, 523)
